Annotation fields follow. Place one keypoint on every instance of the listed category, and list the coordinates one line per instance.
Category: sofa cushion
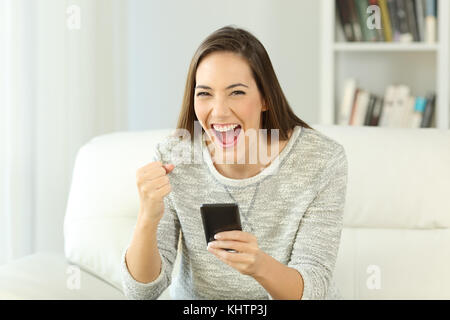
(397, 178)
(398, 181)
(103, 201)
(46, 275)
(377, 263)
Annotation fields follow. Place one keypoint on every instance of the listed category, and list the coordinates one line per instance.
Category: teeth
(224, 128)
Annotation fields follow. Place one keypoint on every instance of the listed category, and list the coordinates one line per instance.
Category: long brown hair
(231, 39)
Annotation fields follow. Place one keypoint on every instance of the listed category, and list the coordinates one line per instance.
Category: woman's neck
(239, 171)
(248, 170)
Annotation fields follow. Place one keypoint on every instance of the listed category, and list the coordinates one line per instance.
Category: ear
(264, 106)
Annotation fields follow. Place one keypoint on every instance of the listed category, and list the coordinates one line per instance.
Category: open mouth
(227, 135)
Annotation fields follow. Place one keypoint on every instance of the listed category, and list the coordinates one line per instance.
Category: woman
(291, 204)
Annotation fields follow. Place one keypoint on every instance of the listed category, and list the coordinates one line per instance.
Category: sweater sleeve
(167, 236)
(317, 241)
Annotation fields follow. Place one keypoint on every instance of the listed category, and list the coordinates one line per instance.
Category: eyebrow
(229, 87)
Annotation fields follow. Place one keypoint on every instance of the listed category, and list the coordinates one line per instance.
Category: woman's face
(227, 101)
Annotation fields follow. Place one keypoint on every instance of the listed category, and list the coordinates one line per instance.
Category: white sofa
(395, 243)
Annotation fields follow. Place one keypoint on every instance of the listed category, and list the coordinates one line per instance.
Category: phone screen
(218, 217)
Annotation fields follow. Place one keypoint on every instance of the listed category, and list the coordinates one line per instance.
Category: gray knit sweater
(297, 217)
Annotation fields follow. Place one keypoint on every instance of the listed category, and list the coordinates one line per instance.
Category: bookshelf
(422, 66)
(389, 46)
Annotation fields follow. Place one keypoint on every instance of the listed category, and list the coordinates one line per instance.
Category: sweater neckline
(269, 170)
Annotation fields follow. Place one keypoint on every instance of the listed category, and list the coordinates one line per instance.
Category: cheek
(250, 113)
(200, 112)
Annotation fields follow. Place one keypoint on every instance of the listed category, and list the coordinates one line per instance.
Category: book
(401, 14)
(361, 8)
(360, 108)
(430, 21)
(385, 20)
(389, 97)
(353, 112)
(420, 16)
(378, 28)
(400, 111)
(392, 8)
(419, 108)
(345, 20)
(401, 20)
(354, 20)
(428, 113)
(397, 109)
(408, 112)
(347, 102)
(410, 7)
(370, 108)
(377, 111)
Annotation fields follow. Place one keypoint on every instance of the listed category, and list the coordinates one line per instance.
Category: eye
(202, 93)
(238, 92)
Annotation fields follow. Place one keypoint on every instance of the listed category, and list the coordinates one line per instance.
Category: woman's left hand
(248, 258)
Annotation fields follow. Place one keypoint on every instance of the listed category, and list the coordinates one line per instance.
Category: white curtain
(62, 82)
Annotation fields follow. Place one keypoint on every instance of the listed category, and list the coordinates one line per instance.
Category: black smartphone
(218, 217)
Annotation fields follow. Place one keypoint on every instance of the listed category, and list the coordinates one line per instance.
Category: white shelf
(383, 46)
(422, 66)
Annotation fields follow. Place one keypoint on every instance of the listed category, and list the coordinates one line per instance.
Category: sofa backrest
(103, 200)
(396, 238)
(396, 223)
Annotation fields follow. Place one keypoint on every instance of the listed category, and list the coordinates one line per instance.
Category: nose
(220, 109)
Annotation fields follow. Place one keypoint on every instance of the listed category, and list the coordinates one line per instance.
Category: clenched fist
(153, 185)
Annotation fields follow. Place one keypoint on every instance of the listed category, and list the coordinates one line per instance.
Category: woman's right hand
(153, 185)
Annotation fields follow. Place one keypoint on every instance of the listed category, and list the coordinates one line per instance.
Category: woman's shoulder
(316, 151)
(173, 147)
(319, 143)
(317, 155)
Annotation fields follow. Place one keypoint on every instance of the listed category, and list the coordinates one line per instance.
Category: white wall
(78, 96)
(17, 128)
(59, 87)
(163, 36)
